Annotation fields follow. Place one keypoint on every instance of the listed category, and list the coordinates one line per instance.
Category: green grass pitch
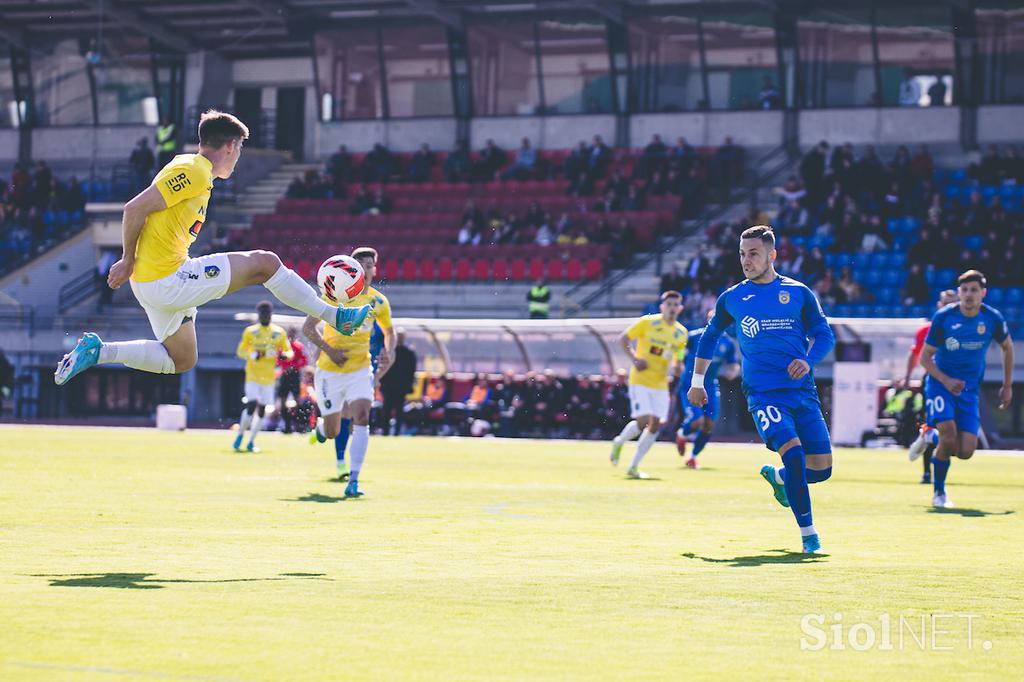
(135, 554)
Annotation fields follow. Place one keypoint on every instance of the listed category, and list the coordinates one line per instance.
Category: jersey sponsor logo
(952, 344)
(783, 297)
(750, 326)
(657, 350)
(981, 327)
(211, 271)
(748, 297)
(178, 182)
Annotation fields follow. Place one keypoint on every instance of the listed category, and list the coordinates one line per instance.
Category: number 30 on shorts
(768, 416)
(935, 405)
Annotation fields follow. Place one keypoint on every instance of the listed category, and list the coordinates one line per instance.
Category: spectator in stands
(362, 203)
(296, 189)
(380, 204)
(1012, 166)
(921, 166)
(769, 98)
(826, 290)
(609, 203)
(599, 157)
(141, 161)
(20, 187)
(577, 171)
(976, 216)
(42, 186)
(72, 198)
(421, 164)
(792, 219)
(937, 92)
(916, 290)
(469, 233)
(657, 186)
(339, 167)
(682, 157)
(990, 168)
(910, 90)
(458, 166)
(812, 171)
(852, 290)
(652, 159)
(534, 214)
(813, 266)
(492, 159)
(545, 234)
(791, 190)
(396, 383)
(870, 174)
(524, 164)
(691, 191)
(672, 280)
(379, 165)
(634, 199)
(106, 260)
(725, 165)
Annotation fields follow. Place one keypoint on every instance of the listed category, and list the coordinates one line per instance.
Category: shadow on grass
(141, 581)
(970, 513)
(649, 478)
(777, 556)
(316, 497)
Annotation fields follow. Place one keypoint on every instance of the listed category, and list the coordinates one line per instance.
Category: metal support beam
(445, 15)
(612, 11)
(268, 9)
(135, 20)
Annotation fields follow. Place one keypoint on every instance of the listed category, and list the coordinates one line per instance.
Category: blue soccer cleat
(779, 490)
(83, 356)
(252, 448)
(349, 320)
(352, 489)
(238, 441)
(812, 545)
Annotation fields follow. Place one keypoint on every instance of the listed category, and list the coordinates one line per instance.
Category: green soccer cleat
(779, 490)
(349, 320)
(343, 471)
(84, 355)
(315, 436)
(616, 451)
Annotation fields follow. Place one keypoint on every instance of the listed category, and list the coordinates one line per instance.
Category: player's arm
(149, 200)
(626, 342)
(284, 348)
(718, 323)
(820, 334)
(387, 355)
(914, 356)
(243, 346)
(955, 386)
(1006, 390)
(311, 328)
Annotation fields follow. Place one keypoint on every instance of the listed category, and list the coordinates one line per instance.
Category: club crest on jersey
(981, 327)
(750, 326)
(783, 297)
(211, 271)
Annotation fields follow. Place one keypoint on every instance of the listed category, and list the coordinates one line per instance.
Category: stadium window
(482, 351)
(60, 78)
(348, 67)
(837, 64)
(1000, 30)
(666, 64)
(575, 67)
(915, 50)
(417, 70)
(503, 68)
(742, 60)
(124, 81)
(8, 106)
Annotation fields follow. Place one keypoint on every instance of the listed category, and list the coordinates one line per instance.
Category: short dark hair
(972, 276)
(671, 293)
(264, 305)
(762, 232)
(365, 252)
(216, 128)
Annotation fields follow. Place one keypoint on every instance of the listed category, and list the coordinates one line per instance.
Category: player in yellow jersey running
(660, 344)
(261, 345)
(159, 225)
(344, 377)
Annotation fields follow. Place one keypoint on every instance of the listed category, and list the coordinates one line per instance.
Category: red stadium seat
(427, 270)
(555, 270)
(536, 268)
(574, 270)
(391, 269)
(444, 269)
(482, 269)
(518, 270)
(462, 270)
(305, 270)
(500, 269)
(593, 269)
(409, 270)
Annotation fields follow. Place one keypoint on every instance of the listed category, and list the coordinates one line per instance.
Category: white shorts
(261, 393)
(649, 402)
(336, 389)
(169, 300)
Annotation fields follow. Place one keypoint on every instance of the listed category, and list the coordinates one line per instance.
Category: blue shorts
(692, 413)
(940, 405)
(785, 414)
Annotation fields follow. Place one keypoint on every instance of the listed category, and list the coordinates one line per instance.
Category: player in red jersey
(926, 439)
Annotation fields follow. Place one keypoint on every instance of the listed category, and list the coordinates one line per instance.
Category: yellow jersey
(185, 185)
(357, 346)
(657, 343)
(262, 340)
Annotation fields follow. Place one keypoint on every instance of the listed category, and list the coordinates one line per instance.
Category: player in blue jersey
(699, 422)
(782, 333)
(341, 440)
(954, 358)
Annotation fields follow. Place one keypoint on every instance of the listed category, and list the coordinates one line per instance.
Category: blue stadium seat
(931, 275)
(1007, 192)
(947, 278)
(919, 311)
(893, 277)
(939, 176)
(952, 192)
(879, 260)
(958, 175)
(973, 243)
(1012, 205)
(861, 260)
(902, 242)
(1014, 296)
(887, 295)
(798, 240)
(871, 278)
(911, 225)
(862, 310)
(897, 259)
(987, 192)
(844, 310)
(822, 241)
(832, 260)
(995, 296)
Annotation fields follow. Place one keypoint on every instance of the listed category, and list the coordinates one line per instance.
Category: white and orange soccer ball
(340, 278)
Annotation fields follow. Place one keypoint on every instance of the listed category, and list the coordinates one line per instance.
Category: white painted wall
(107, 144)
(292, 71)
(1000, 124)
(37, 283)
(701, 129)
(8, 147)
(880, 126)
(403, 135)
(551, 132)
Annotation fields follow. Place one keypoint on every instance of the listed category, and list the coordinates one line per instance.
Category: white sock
(807, 530)
(629, 432)
(357, 449)
(149, 356)
(320, 426)
(244, 420)
(645, 443)
(778, 475)
(255, 426)
(292, 290)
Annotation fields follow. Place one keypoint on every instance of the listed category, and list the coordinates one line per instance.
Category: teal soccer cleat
(352, 489)
(812, 545)
(84, 355)
(779, 490)
(238, 441)
(349, 320)
(252, 448)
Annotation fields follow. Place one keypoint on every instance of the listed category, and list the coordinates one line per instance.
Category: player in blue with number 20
(954, 358)
(775, 317)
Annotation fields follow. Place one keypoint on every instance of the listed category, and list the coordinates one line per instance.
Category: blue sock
(818, 475)
(795, 479)
(941, 468)
(700, 441)
(341, 440)
(687, 429)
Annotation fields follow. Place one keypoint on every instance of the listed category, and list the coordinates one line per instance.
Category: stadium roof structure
(276, 28)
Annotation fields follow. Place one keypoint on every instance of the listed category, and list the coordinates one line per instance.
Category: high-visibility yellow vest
(165, 138)
(538, 300)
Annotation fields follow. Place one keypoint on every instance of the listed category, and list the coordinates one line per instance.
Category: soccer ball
(340, 278)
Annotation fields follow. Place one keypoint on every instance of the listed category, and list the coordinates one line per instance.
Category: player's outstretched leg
(926, 461)
(244, 421)
(927, 436)
(702, 438)
(360, 444)
(340, 444)
(647, 439)
(944, 453)
(146, 355)
(628, 433)
(257, 418)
